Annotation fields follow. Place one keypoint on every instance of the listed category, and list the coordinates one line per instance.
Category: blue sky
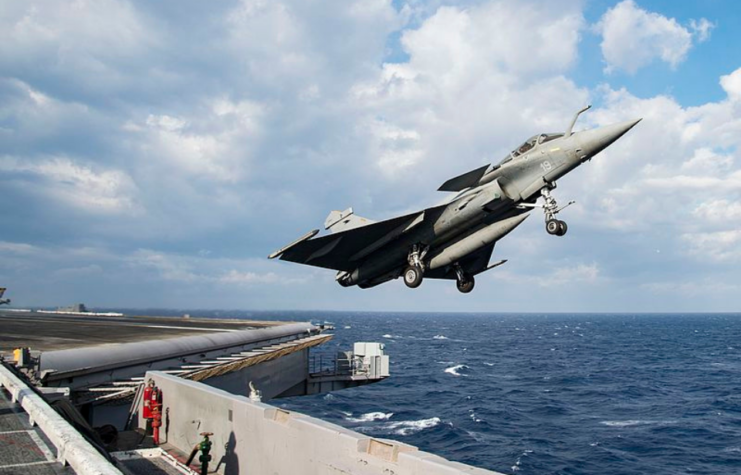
(152, 155)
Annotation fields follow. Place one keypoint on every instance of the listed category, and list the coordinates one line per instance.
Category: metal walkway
(23, 448)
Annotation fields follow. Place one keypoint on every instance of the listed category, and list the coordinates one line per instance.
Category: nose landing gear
(553, 226)
(556, 227)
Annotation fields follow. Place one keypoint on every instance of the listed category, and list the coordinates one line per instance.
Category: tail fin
(2, 291)
(339, 221)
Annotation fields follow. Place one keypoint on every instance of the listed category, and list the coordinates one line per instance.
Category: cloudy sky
(153, 153)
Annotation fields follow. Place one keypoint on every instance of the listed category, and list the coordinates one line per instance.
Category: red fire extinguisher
(147, 409)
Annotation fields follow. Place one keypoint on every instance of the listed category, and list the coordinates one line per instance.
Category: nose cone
(594, 141)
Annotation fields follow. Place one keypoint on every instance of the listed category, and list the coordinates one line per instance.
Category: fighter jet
(455, 240)
(2, 300)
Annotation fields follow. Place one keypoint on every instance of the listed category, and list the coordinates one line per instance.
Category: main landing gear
(553, 226)
(463, 282)
(414, 273)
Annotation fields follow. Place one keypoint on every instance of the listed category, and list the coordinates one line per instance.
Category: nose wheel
(553, 226)
(556, 227)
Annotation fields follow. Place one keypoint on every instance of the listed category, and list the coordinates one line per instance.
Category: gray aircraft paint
(455, 240)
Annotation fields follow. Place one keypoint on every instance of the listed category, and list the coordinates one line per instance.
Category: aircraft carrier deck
(110, 394)
(54, 331)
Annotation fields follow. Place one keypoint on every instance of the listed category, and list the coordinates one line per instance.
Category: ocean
(547, 394)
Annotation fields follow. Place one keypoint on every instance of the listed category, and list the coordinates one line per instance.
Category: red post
(156, 422)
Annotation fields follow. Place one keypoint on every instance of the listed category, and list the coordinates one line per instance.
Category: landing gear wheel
(562, 228)
(553, 226)
(466, 285)
(412, 277)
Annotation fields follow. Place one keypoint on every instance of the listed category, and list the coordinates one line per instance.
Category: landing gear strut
(414, 273)
(464, 282)
(553, 226)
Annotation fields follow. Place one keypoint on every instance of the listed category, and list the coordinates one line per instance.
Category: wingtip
(303, 238)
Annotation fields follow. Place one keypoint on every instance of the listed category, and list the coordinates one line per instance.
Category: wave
(410, 427)
(630, 423)
(440, 337)
(454, 370)
(473, 416)
(518, 462)
(370, 417)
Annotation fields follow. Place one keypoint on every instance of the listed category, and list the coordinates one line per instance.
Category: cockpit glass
(528, 145)
(525, 147)
(548, 137)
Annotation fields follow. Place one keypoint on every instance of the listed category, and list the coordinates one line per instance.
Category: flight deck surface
(47, 332)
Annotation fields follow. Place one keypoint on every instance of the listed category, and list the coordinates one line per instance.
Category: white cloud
(235, 277)
(61, 178)
(719, 211)
(702, 28)
(236, 127)
(582, 273)
(208, 271)
(562, 275)
(471, 83)
(721, 247)
(701, 287)
(90, 43)
(633, 37)
(216, 141)
(708, 162)
(17, 248)
(731, 84)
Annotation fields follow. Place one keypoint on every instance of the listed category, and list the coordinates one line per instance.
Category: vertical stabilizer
(339, 221)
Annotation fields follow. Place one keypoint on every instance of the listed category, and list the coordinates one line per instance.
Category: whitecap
(518, 462)
(473, 416)
(410, 427)
(454, 369)
(328, 397)
(371, 416)
(387, 336)
(440, 337)
(628, 423)
(347, 327)
(488, 364)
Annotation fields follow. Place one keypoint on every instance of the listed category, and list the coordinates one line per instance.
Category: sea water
(547, 394)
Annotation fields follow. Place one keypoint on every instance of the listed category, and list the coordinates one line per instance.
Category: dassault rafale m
(455, 240)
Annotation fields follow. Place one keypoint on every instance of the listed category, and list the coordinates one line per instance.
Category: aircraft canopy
(529, 144)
